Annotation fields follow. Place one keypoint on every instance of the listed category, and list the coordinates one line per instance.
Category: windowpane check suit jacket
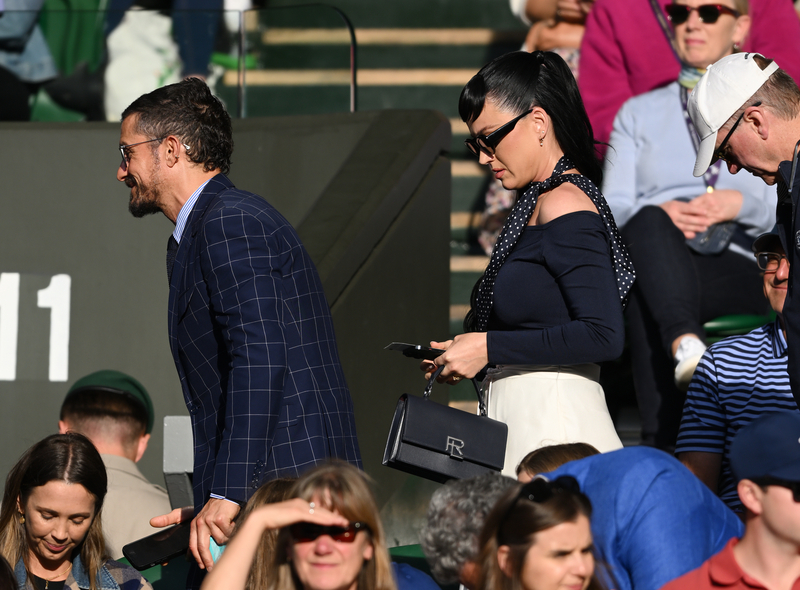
(252, 339)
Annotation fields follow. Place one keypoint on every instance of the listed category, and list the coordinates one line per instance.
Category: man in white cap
(746, 111)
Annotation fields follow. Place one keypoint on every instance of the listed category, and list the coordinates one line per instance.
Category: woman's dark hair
(552, 457)
(517, 81)
(70, 458)
(518, 516)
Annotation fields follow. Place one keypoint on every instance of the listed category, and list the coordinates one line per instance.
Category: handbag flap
(461, 435)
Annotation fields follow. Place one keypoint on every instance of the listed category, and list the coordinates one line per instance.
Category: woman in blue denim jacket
(50, 523)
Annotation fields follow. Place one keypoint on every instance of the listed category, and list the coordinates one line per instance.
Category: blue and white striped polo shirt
(737, 380)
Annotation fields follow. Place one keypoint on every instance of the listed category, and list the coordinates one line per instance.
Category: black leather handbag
(438, 442)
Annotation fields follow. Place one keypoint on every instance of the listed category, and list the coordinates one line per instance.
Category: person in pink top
(625, 52)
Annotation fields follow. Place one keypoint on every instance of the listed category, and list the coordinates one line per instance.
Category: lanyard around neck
(712, 174)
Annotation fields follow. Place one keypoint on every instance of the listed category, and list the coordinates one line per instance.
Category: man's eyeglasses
(769, 261)
(488, 143)
(774, 481)
(720, 153)
(125, 151)
(708, 13)
(305, 532)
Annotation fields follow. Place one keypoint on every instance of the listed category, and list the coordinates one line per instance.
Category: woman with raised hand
(330, 538)
(549, 306)
(50, 525)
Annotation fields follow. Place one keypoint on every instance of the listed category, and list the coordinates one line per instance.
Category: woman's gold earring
(541, 142)
(22, 519)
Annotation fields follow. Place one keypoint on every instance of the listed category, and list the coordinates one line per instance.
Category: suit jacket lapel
(179, 290)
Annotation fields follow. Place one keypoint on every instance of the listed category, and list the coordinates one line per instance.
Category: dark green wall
(369, 194)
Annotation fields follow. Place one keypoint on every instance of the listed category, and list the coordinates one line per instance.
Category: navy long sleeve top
(556, 300)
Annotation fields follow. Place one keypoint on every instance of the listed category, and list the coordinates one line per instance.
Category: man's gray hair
(455, 518)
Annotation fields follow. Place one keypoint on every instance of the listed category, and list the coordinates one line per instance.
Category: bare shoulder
(565, 198)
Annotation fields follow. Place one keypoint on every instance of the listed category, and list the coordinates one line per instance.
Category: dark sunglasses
(488, 143)
(708, 13)
(720, 153)
(305, 532)
(774, 481)
(540, 490)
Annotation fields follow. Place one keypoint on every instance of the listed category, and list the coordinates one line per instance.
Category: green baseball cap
(117, 382)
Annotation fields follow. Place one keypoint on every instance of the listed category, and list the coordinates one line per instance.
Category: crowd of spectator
(289, 513)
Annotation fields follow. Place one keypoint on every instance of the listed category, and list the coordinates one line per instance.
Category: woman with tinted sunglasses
(549, 305)
(689, 237)
(538, 537)
(330, 538)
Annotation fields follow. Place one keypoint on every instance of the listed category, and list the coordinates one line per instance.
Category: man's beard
(147, 200)
(142, 207)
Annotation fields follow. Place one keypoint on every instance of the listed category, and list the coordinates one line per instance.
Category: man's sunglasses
(708, 13)
(720, 153)
(774, 481)
(488, 143)
(305, 532)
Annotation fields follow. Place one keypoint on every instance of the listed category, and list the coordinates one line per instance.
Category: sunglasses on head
(774, 481)
(305, 532)
(708, 13)
(540, 490)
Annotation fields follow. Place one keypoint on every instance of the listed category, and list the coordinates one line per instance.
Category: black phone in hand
(159, 547)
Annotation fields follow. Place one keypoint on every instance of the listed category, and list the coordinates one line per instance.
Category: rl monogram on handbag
(439, 443)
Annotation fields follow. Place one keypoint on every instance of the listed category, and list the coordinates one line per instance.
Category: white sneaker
(690, 351)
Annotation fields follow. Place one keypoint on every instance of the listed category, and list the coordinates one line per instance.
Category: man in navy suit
(249, 326)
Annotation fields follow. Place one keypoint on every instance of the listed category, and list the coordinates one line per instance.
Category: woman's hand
(687, 217)
(573, 11)
(703, 211)
(545, 35)
(429, 366)
(283, 514)
(464, 357)
(230, 573)
(721, 205)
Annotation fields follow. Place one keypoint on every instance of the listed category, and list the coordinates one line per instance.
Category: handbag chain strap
(427, 393)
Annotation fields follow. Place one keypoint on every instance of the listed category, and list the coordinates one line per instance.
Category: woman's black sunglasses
(305, 532)
(488, 143)
(708, 13)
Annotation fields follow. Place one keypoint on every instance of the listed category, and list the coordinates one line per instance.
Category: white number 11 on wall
(56, 297)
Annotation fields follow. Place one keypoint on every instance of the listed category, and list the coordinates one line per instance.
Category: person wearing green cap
(115, 412)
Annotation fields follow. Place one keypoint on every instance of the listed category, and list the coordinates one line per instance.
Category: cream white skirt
(549, 405)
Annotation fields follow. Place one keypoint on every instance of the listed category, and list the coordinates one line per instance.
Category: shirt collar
(183, 214)
(723, 568)
(779, 344)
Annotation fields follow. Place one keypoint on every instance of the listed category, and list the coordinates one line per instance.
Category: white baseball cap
(723, 89)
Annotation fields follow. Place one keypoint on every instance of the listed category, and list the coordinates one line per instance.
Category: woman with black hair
(50, 525)
(549, 305)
